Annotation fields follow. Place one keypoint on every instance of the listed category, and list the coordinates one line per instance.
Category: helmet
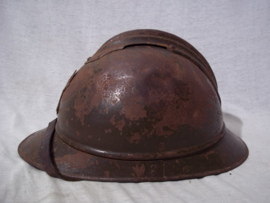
(145, 107)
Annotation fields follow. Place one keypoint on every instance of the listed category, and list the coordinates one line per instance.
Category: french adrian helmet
(145, 107)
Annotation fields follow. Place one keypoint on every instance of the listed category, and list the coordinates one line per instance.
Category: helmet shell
(145, 107)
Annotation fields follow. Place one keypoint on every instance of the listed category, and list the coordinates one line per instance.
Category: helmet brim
(226, 154)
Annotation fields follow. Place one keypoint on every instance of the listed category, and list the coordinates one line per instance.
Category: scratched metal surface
(48, 39)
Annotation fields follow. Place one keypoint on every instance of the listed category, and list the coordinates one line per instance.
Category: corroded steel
(145, 107)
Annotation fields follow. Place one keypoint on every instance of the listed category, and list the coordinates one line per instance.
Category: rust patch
(135, 138)
(91, 163)
(139, 171)
(150, 134)
(112, 120)
(209, 153)
(78, 133)
(89, 136)
(120, 124)
(170, 98)
(71, 161)
(117, 165)
(105, 110)
(109, 130)
(132, 109)
(106, 174)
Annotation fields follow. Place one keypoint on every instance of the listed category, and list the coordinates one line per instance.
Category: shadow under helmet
(145, 107)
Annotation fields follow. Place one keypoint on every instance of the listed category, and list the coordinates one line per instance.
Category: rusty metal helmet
(145, 107)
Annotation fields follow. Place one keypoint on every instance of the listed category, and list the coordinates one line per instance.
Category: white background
(43, 42)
